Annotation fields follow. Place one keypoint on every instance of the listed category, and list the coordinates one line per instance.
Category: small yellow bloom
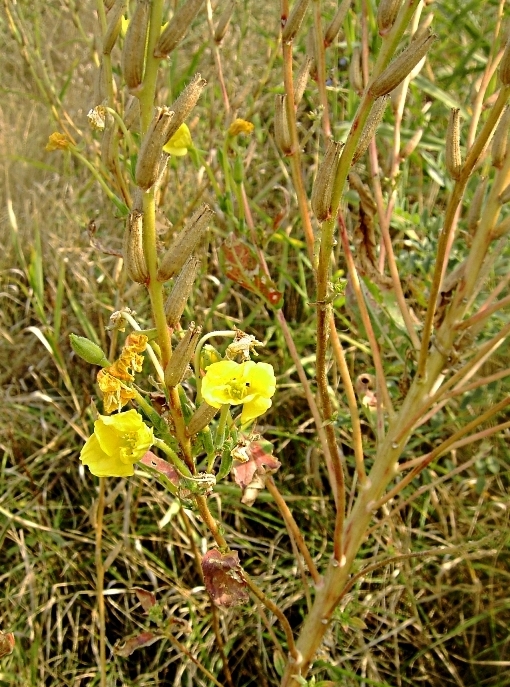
(250, 384)
(118, 442)
(57, 141)
(240, 126)
(179, 143)
(115, 393)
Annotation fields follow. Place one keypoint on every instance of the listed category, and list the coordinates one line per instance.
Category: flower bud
(401, 66)
(185, 243)
(133, 53)
(302, 79)
(281, 125)
(373, 121)
(177, 28)
(504, 66)
(294, 21)
(386, 14)
(113, 26)
(149, 157)
(134, 256)
(200, 419)
(336, 23)
(475, 207)
(452, 149)
(181, 356)
(500, 140)
(355, 75)
(88, 350)
(181, 291)
(224, 21)
(185, 103)
(323, 185)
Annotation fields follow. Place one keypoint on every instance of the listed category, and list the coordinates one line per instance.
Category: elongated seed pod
(386, 14)
(401, 66)
(293, 23)
(201, 418)
(302, 79)
(452, 149)
(185, 103)
(133, 53)
(108, 143)
(504, 196)
(183, 353)
(176, 302)
(337, 22)
(113, 27)
(355, 76)
(177, 28)
(323, 185)
(224, 22)
(373, 121)
(504, 66)
(499, 148)
(185, 243)
(132, 114)
(134, 257)
(475, 207)
(281, 125)
(149, 157)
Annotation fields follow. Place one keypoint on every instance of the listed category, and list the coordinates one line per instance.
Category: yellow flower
(58, 141)
(179, 143)
(118, 442)
(240, 126)
(251, 384)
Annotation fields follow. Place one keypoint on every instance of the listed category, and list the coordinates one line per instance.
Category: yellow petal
(180, 142)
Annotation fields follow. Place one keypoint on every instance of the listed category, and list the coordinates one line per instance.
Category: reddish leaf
(224, 578)
(162, 466)
(138, 642)
(243, 266)
(260, 461)
(6, 644)
(146, 599)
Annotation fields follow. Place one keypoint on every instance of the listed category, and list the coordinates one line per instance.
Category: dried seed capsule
(185, 103)
(177, 28)
(149, 157)
(336, 22)
(108, 143)
(302, 79)
(500, 140)
(355, 76)
(134, 257)
(132, 113)
(200, 419)
(183, 353)
(133, 53)
(386, 14)
(475, 208)
(373, 121)
(504, 66)
(185, 243)
(224, 21)
(294, 21)
(281, 125)
(181, 291)
(401, 66)
(323, 184)
(113, 26)
(452, 150)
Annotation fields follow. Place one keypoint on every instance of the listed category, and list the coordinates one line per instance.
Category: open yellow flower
(179, 143)
(250, 384)
(118, 442)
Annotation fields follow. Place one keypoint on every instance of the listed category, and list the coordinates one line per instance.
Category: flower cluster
(113, 380)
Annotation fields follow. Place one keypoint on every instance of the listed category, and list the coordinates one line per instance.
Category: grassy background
(435, 620)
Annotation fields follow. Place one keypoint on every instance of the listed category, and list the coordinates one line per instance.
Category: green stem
(174, 458)
(220, 432)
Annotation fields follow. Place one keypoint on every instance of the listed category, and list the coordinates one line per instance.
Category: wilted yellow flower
(240, 126)
(57, 141)
(112, 380)
(118, 442)
(115, 393)
(250, 384)
(179, 143)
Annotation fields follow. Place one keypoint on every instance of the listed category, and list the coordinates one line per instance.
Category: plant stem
(100, 581)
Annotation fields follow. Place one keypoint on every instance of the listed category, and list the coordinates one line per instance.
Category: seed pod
(100, 95)
(133, 53)
(134, 257)
(302, 79)
(452, 149)
(149, 157)
(504, 66)
(373, 121)
(500, 140)
(323, 185)
(355, 76)
(401, 66)
(293, 23)
(185, 243)
(200, 419)
(386, 14)
(176, 302)
(475, 207)
(185, 103)
(224, 21)
(108, 143)
(281, 125)
(411, 144)
(504, 196)
(113, 26)
(132, 113)
(336, 22)
(183, 353)
(177, 28)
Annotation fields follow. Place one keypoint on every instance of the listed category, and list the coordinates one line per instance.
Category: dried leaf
(259, 460)
(6, 644)
(138, 642)
(224, 578)
(162, 466)
(146, 599)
